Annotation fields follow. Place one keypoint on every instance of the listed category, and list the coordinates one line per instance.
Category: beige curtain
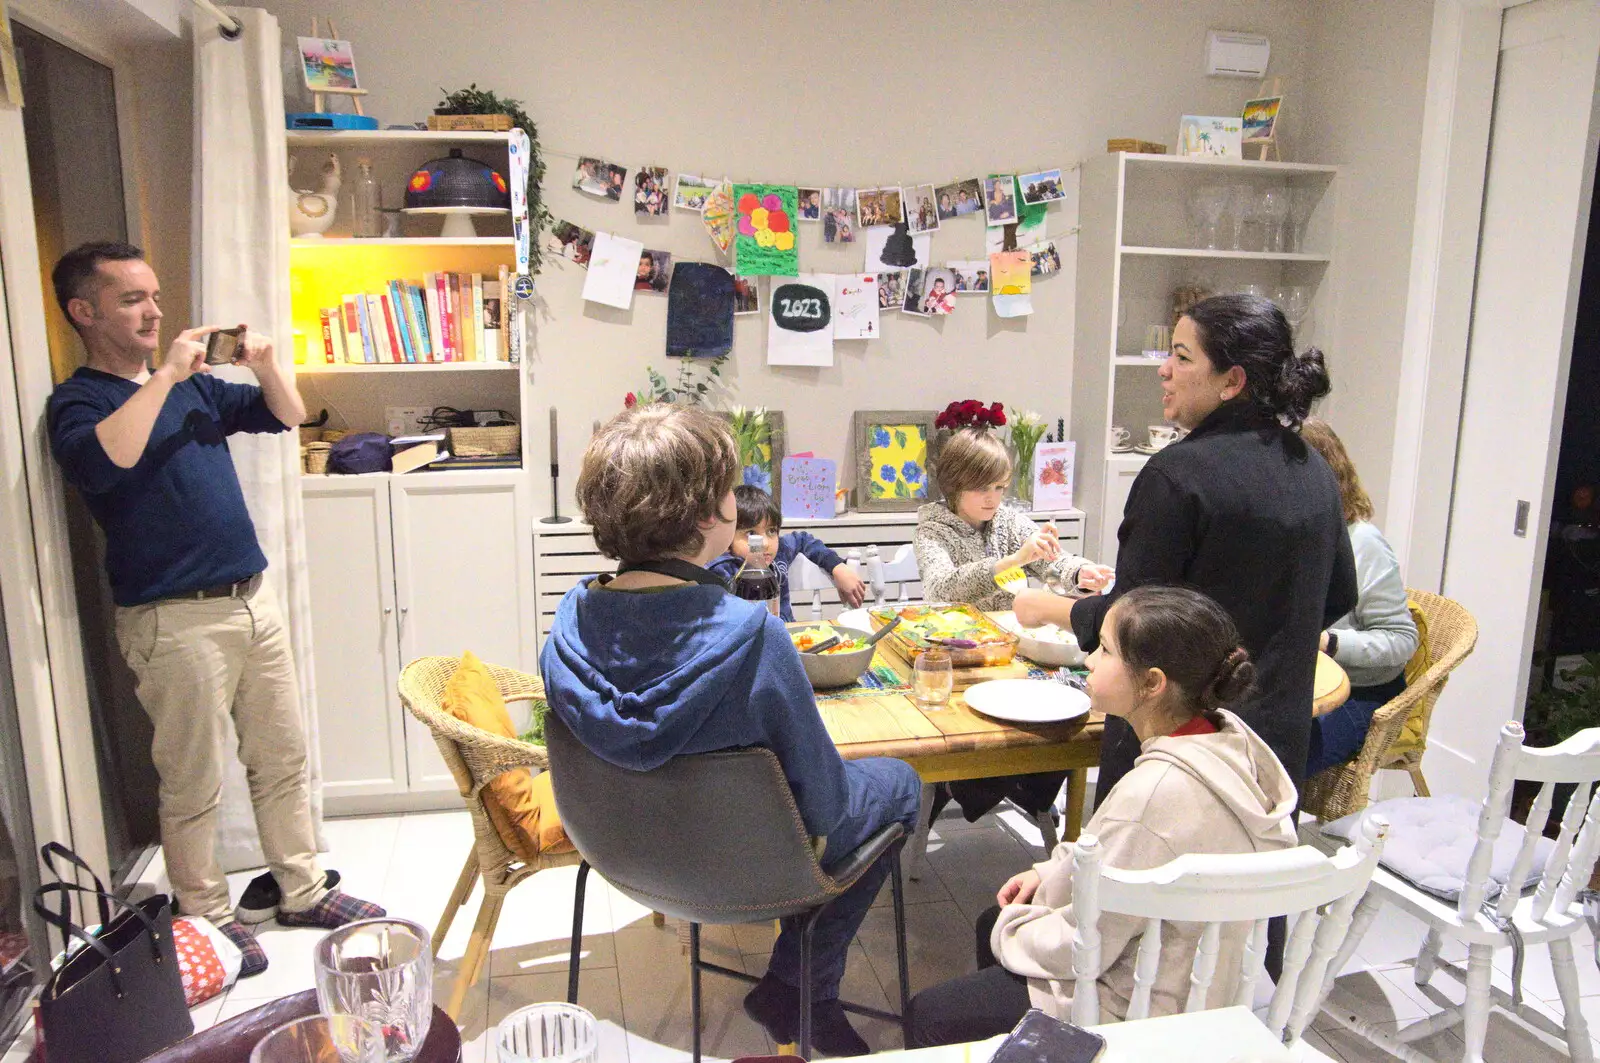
(241, 273)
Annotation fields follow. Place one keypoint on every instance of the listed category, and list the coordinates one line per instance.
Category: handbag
(359, 453)
(119, 997)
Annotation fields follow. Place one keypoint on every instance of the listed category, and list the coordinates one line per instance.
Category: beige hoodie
(1214, 793)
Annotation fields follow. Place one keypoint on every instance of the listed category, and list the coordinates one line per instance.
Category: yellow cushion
(521, 807)
(1412, 736)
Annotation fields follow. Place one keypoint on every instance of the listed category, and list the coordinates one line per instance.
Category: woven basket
(314, 457)
(310, 435)
(333, 435)
(501, 441)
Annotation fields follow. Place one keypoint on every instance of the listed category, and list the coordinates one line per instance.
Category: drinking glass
(1241, 204)
(1256, 290)
(933, 678)
(1296, 305)
(1302, 201)
(321, 1039)
(1273, 207)
(380, 970)
(1206, 206)
(548, 1033)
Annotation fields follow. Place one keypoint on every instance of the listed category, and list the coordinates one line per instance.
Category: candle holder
(555, 516)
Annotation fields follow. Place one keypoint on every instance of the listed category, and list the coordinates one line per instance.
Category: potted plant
(473, 100)
(1026, 431)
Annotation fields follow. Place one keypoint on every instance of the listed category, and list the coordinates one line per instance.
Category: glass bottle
(368, 202)
(755, 581)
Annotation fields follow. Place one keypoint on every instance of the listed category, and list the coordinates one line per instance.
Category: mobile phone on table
(1039, 1038)
(222, 346)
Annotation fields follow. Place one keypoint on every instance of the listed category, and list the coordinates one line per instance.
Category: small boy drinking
(758, 513)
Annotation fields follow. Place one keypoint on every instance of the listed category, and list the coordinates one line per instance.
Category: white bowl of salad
(839, 666)
(1046, 644)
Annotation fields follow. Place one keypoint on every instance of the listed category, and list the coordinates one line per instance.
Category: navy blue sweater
(728, 565)
(176, 522)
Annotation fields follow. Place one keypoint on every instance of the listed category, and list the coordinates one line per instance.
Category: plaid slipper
(334, 910)
(255, 957)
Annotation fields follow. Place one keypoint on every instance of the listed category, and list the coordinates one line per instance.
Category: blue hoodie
(642, 677)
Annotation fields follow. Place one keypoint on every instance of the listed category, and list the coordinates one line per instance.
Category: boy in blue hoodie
(661, 661)
(758, 513)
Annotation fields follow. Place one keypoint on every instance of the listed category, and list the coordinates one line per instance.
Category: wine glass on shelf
(1240, 204)
(1206, 206)
(1274, 206)
(1296, 305)
(1302, 201)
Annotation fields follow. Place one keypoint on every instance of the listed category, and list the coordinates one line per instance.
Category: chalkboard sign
(802, 307)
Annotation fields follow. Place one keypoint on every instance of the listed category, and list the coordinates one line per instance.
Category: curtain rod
(232, 29)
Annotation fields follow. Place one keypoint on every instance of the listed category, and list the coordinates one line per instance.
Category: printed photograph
(935, 291)
(959, 198)
(328, 65)
(1000, 199)
(838, 215)
(655, 271)
(972, 278)
(891, 289)
(1046, 259)
(650, 192)
(599, 178)
(878, 206)
(691, 191)
(746, 296)
(1042, 187)
(810, 204)
(921, 214)
(570, 241)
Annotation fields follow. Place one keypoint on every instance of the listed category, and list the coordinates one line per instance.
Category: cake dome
(456, 181)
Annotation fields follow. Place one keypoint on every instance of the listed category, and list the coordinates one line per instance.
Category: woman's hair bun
(1235, 676)
(1301, 382)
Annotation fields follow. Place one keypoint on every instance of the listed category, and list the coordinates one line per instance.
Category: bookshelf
(415, 564)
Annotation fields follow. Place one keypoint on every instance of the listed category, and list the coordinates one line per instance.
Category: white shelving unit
(1135, 247)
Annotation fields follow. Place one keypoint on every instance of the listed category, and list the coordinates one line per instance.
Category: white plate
(1027, 700)
(856, 618)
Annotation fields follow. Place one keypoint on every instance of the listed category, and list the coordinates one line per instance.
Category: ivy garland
(473, 100)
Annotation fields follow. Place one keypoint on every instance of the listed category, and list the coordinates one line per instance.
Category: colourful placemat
(881, 678)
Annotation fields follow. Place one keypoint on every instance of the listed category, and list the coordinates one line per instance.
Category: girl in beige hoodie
(1203, 783)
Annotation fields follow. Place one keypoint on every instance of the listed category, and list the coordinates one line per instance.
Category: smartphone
(1038, 1038)
(222, 346)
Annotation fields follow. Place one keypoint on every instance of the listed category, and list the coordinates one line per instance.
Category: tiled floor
(635, 978)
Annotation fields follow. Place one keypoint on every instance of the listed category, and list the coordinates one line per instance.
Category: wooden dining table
(950, 742)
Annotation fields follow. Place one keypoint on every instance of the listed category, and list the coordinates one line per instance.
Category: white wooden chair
(1218, 889)
(1551, 915)
(806, 577)
(900, 570)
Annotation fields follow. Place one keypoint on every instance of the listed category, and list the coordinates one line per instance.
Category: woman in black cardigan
(1240, 509)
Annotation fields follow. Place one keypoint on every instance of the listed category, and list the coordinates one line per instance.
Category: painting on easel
(1261, 119)
(329, 66)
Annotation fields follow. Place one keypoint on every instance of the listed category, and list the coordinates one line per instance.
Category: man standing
(148, 451)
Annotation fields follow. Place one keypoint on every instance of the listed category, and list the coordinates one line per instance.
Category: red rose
(631, 401)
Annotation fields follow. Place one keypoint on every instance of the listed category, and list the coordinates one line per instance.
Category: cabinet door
(1120, 474)
(351, 562)
(464, 573)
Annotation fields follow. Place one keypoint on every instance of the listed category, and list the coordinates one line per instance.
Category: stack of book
(448, 317)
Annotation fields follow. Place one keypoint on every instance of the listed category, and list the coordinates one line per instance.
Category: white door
(1120, 474)
(1535, 222)
(351, 561)
(463, 554)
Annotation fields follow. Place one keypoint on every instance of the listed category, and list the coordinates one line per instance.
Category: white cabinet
(405, 567)
(1136, 247)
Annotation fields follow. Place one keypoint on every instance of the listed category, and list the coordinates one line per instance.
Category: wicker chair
(1343, 788)
(476, 756)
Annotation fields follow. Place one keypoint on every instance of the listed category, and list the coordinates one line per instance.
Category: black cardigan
(1244, 511)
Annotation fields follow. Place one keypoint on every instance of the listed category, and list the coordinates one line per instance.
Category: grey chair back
(710, 838)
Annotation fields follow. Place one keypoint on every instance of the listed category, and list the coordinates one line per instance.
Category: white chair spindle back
(1144, 969)
(1491, 817)
(1086, 858)
(1255, 958)
(1570, 822)
(806, 577)
(1538, 816)
(1204, 968)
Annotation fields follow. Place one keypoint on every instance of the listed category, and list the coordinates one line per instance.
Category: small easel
(1268, 90)
(317, 102)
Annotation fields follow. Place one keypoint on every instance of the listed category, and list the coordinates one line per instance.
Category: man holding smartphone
(147, 448)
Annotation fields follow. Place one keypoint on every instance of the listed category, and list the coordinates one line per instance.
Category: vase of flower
(1026, 431)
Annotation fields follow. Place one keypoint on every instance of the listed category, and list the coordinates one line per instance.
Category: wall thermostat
(1231, 54)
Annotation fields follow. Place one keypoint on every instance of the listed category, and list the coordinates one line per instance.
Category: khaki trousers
(198, 663)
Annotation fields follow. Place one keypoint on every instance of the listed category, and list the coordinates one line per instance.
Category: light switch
(1519, 526)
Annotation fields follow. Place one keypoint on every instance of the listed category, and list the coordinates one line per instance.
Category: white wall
(1364, 98)
(829, 93)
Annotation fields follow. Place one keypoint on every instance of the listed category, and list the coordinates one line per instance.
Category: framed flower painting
(893, 450)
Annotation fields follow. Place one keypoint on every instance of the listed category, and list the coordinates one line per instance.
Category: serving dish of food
(840, 664)
(974, 640)
(1046, 644)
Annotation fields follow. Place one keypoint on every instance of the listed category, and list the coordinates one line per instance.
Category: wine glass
(1273, 207)
(1206, 206)
(933, 678)
(1302, 201)
(1240, 204)
(1296, 305)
